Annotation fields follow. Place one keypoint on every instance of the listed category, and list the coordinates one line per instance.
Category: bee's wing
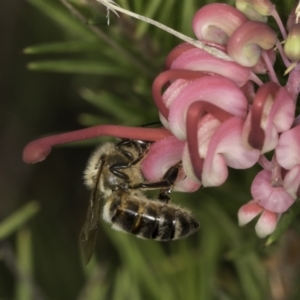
(88, 234)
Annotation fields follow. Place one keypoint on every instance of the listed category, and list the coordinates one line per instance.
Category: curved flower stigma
(219, 112)
(39, 149)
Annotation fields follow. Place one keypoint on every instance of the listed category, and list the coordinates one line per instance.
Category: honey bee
(113, 174)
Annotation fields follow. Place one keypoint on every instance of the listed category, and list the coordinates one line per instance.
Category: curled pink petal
(283, 111)
(259, 113)
(165, 78)
(227, 140)
(176, 52)
(288, 148)
(248, 212)
(218, 91)
(274, 199)
(293, 83)
(225, 149)
(261, 66)
(163, 155)
(195, 150)
(291, 182)
(272, 112)
(216, 22)
(277, 116)
(249, 91)
(199, 60)
(195, 113)
(186, 184)
(266, 224)
(246, 43)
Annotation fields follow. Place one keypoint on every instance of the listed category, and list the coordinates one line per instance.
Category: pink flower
(266, 223)
(271, 195)
(272, 112)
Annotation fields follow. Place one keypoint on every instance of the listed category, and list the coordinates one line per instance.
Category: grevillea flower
(223, 112)
(267, 220)
(218, 113)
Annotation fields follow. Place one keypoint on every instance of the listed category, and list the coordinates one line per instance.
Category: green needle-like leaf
(18, 219)
(64, 47)
(284, 223)
(24, 287)
(78, 66)
(62, 17)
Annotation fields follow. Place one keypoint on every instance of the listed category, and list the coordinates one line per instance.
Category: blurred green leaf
(24, 287)
(87, 120)
(62, 18)
(151, 7)
(18, 219)
(95, 286)
(107, 102)
(283, 224)
(189, 7)
(125, 287)
(78, 66)
(64, 47)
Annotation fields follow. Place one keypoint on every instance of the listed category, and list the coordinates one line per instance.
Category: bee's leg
(116, 170)
(143, 148)
(165, 185)
(125, 143)
(140, 146)
(165, 195)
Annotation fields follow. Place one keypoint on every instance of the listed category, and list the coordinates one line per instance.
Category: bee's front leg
(165, 185)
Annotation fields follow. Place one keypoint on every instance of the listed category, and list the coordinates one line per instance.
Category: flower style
(218, 113)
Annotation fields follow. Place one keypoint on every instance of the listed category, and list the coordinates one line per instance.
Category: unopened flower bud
(292, 45)
(255, 10)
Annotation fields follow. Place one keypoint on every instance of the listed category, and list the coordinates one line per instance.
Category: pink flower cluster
(223, 115)
(219, 113)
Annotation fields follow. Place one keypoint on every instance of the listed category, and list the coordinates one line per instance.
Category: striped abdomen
(150, 219)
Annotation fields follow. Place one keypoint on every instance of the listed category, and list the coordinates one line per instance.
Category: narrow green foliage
(124, 288)
(18, 219)
(284, 223)
(150, 11)
(87, 120)
(210, 255)
(24, 288)
(62, 18)
(95, 286)
(189, 7)
(107, 102)
(64, 47)
(78, 66)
